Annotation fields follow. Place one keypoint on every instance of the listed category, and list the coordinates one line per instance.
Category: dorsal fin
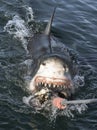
(48, 27)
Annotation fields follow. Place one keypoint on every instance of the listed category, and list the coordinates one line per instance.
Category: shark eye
(65, 66)
(44, 63)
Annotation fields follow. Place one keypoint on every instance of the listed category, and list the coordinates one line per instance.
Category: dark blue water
(75, 24)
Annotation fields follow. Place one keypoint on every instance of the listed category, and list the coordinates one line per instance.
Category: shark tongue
(57, 102)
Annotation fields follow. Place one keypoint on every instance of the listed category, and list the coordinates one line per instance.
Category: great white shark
(53, 71)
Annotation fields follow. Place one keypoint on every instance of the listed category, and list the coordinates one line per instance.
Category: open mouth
(51, 89)
(51, 84)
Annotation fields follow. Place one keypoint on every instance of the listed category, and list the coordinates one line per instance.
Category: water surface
(75, 24)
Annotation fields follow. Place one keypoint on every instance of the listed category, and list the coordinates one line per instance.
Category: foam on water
(54, 112)
(29, 14)
(19, 27)
(78, 81)
(69, 112)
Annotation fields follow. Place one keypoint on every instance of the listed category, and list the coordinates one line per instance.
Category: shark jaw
(52, 80)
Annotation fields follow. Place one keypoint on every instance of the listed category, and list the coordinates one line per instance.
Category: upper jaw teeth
(52, 82)
(50, 85)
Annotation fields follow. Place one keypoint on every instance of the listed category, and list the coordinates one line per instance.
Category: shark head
(53, 69)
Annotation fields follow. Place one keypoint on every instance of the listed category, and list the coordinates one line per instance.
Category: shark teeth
(50, 86)
(53, 83)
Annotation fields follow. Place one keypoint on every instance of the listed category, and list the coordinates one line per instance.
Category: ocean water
(75, 24)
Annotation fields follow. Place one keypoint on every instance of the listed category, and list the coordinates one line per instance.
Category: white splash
(29, 14)
(78, 81)
(27, 64)
(79, 108)
(19, 28)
